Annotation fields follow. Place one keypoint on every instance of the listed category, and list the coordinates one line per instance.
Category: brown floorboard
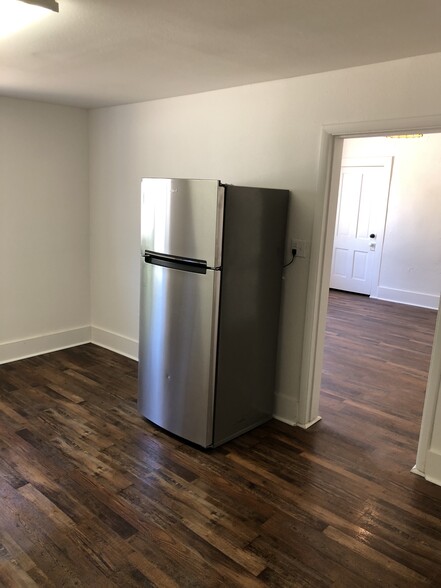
(92, 495)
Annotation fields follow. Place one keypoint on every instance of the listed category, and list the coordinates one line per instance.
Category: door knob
(372, 235)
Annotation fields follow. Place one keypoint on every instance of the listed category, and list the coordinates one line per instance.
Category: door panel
(182, 218)
(360, 265)
(177, 350)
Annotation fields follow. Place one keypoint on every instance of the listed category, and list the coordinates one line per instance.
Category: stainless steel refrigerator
(212, 258)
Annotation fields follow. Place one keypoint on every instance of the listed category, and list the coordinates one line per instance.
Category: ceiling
(97, 53)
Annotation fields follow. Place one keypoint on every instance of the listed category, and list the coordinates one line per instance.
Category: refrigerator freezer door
(177, 350)
(182, 218)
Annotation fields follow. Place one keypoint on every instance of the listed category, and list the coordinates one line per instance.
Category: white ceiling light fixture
(18, 14)
(408, 136)
(49, 4)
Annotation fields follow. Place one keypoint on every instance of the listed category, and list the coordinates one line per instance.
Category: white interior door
(359, 229)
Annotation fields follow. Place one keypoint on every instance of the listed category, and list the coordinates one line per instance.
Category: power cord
(293, 253)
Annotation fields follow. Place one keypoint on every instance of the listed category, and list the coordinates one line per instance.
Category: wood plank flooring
(92, 495)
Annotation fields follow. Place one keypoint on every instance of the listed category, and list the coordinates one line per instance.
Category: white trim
(284, 420)
(433, 393)
(114, 342)
(407, 297)
(307, 425)
(382, 128)
(416, 471)
(433, 467)
(21, 349)
(284, 405)
(318, 281)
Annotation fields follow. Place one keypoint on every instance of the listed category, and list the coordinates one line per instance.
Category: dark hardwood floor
(92, 495)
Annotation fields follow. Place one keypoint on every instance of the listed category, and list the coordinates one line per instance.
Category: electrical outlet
(300, 246)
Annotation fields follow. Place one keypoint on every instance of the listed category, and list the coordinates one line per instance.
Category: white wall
(44, 227)
(411, 261)
(267, 134)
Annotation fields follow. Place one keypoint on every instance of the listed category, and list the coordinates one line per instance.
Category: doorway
(320, 277)
(388, 246)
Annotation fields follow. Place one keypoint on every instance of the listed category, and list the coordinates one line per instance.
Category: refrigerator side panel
(254, 241)
(181, 218)
(177, 350)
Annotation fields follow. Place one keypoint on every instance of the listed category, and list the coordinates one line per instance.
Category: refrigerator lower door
(178, 337)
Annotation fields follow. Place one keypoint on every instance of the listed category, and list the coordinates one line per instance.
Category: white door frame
(320, 269)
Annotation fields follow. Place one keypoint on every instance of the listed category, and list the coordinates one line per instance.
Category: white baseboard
(14, 350)
(417, 472)
(21, 349)
(285, 409)
(114, 342)
(433, 467)
(309, 423)
(408, 297)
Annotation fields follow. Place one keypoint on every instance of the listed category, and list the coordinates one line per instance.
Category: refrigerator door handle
(180, 263)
